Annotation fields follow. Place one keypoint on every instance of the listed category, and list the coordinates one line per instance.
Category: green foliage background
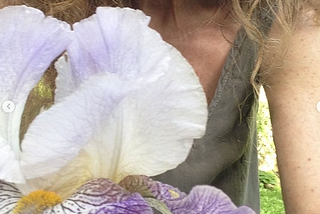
(271, 201)
(270, 191)
(266, 148)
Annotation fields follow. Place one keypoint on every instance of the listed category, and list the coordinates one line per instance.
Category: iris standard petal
(120, 46)
(136, 119)
(101, 196)
(155, 125)
(119, 41)
(120, 36)
(29, 43)
(65, 81)
(55, 138)
(9, 197)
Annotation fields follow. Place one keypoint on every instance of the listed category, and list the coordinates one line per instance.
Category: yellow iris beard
(36, 202)
(174, 194)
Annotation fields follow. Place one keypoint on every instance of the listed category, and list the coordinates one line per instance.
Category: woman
(233, 45)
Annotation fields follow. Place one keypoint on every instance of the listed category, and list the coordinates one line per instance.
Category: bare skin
(293, 89)
(191, 29)
(293, 92)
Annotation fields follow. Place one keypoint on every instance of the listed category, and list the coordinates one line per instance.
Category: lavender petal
(201, 199)
(102, 196)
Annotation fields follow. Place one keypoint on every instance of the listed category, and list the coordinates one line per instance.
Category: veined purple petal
(29, 42)
(201, 199)
(150, 188)
(9, 197)
(102, 196)
(206, 199)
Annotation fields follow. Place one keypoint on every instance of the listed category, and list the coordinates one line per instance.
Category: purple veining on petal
(206, 199)
(134, 203)
(9, 197)
(102, 196)
(201, 199)
(148, 187)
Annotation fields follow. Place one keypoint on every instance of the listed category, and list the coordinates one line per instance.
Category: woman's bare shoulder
(301, 40)
(293, 91)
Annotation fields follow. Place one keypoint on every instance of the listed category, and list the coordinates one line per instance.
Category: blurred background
(270, 190)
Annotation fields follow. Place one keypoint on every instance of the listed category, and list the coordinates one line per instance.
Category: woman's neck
(202, 33)
(184, 15)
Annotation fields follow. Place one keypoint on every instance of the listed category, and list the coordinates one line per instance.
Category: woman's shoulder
(293, 91)
(300, 38)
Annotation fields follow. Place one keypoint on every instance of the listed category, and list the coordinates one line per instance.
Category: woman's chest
(206, 49)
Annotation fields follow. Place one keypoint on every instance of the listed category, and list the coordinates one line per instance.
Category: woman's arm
(293, 92)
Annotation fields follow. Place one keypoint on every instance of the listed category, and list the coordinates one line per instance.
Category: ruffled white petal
(9, 165)
(56, 136)
(119, 41)
(162, 109)
(157, 122)
(29, 41)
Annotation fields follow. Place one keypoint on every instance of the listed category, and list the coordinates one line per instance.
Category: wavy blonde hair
(246, 12)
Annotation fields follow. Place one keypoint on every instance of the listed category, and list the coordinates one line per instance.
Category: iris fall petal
(206, 199)
(201, 199)
(101, 196)
(9, 197)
